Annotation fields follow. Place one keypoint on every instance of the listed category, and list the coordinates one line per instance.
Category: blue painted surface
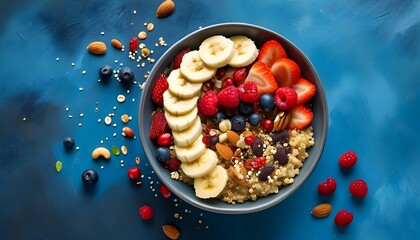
(367, 54)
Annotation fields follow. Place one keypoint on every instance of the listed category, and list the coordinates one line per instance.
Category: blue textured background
(367, 54)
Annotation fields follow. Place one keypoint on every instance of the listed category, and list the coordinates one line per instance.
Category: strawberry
(207, 105)
(286, 72)
(248, 92)
(328, 187)
(176, 63)
(261, 75)
(358, 188)
(304, 89)
(343, 218)
(159, 125)
(228, 97)
(301, 117)
(270, 51)
(160, 87)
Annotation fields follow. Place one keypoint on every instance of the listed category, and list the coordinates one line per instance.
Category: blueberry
(214, 140)
(163, 154)
(267, 102)
(246, 108)
(238, 123)
(126, 75)
(90, 176)
(218, 118)
(254, 119)
(68, 142)
(105, 72)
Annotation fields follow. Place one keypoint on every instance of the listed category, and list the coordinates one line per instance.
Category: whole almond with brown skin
(116, 43)
(233, 137)
(97, 48)
(225, 151)
(322, 210)
(171, 232)
(128, 132)
(165, 9)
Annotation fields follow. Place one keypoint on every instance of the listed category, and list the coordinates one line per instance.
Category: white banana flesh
(191, 152)
(178, 106)
(245, 51)
(182, 87)
(181, 122)
(216, 51)
(189, 135)
(194, 69)
(211, 184)
(202, 166)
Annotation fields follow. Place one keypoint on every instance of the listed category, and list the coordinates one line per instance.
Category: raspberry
(281, 156)
(248, 92)
(160, 87)
(280, 137)
(146, 212)
(343, 218)
(178, 59)
(285, 98)
(358, 188)
(327, 187)
(265, 172)
(207, 105)
(347, 159)
(257, 147)
(228, 97)
(166, 193)
(159, 125)
(173, 164)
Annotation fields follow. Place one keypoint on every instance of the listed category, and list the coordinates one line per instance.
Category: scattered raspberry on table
(328, 187)
(347, 159)
(146, 212)
(343, 218)
(358, 188)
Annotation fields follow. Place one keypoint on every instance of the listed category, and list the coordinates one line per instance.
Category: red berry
(134, 42)
(347, 159)
(206, 140)
(228, 97)
(285, 98)
(173, 164)
(221, 72)
(343, 218)
(176, 63)
(166, 193)
(207, 105)
(239, 75)
(328, 187)
(159, 125)
(248, 92)
(249, 140)
(165, 140)
(160, 87)
(267, 125)
(254, 163)
(146, 212)
(358, 188)
(134, 173)
(227, 82)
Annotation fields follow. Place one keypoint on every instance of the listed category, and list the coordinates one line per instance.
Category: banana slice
(245, 51)
(194, 69)
(181, 122)
(192, 152)
(216, 51)
(181, 87)
(211, 184)
(189, 135)
(178, 106)
(202, 166)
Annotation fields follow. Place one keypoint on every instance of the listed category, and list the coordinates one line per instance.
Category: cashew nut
(101, 152)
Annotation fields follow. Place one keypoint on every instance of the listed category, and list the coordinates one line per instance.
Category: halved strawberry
(176, 63)
(301, 117)
(270, 51)
(261, 75)
(286, 72)
(304, 89)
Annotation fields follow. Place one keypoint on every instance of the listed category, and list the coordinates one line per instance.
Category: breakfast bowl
(317, 105)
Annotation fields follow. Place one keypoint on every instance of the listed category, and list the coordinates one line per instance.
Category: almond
(224, 150)
(171, 232)
(322, 210)
(233, 137)
(128, 132)
(97, 48)
(116, 43)
(165, 8)
(238, 177)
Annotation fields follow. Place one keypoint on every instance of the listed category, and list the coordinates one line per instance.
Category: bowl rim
(257, 207)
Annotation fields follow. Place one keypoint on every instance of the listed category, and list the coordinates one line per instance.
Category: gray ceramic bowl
(319, 123)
